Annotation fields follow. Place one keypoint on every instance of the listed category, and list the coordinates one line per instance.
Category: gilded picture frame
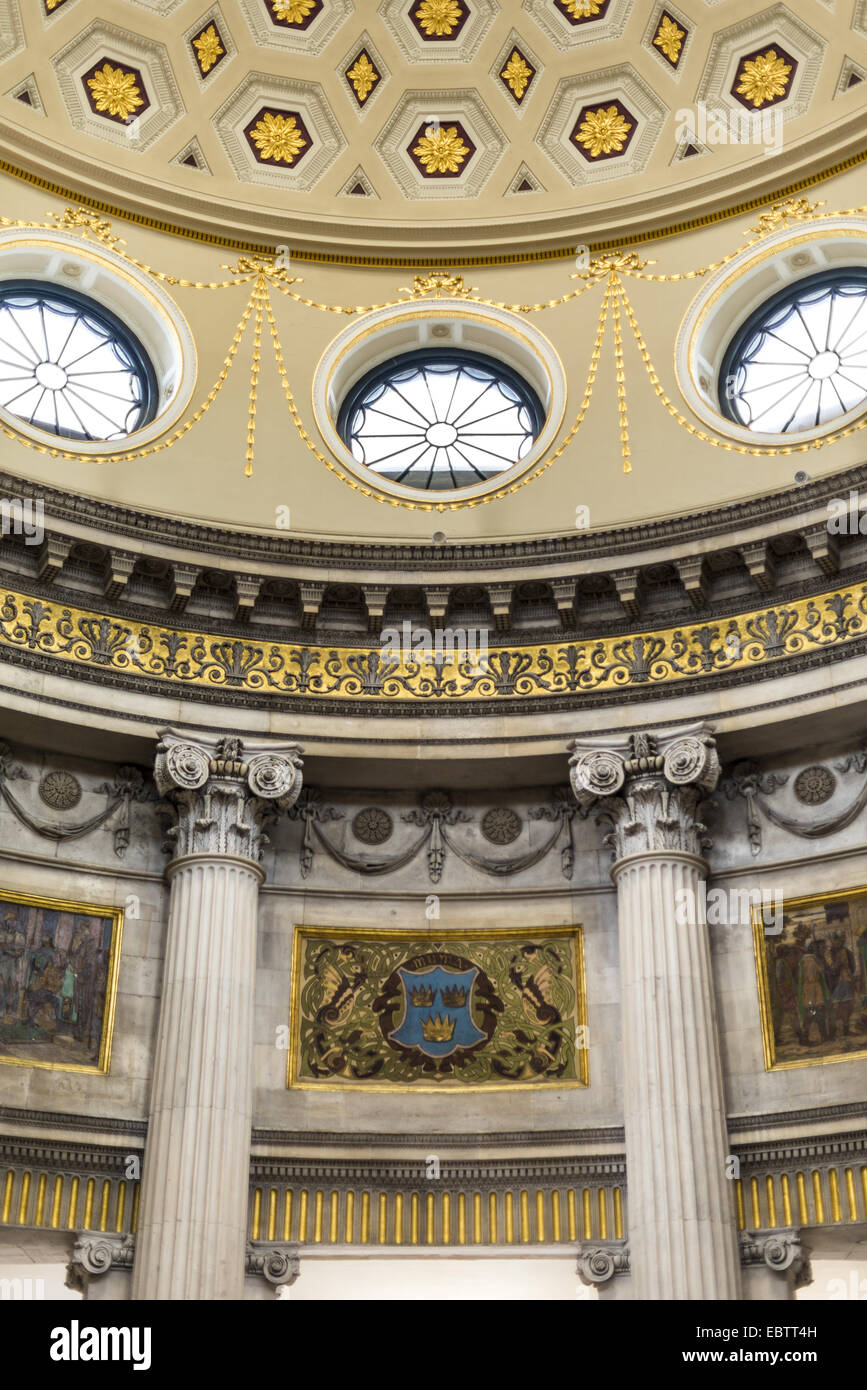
(503, 1009)
(811, 977)
(59, 966)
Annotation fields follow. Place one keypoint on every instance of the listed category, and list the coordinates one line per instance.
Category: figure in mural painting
(841, 980)
(83, 959)
(43, 989)
(54, 983)
(13, 944)
(862, 952)
(786, 992)
(813, 994)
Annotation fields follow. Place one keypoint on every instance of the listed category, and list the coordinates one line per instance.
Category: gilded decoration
(58, 982)
(278, 137)
(603, 132)
(118, 93)
(267, 275)
(517, 75)
(208, 49)
(439, 284)
(812, 979)
(669, 39)
(441, 151)
(362, 76)
(439, 19)
(580, 11)
(52, 5)
(764, 78)
(171, 657)
(293, 14)
(781, 214)
(396, 1010)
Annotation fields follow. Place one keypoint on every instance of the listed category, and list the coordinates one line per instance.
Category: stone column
(649, 793)
(193, 1223)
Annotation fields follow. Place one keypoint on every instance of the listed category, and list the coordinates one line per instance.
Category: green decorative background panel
(394, 1010)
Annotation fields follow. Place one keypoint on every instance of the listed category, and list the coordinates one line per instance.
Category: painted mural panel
(396, 1010)
(58, 982)
(812, 979)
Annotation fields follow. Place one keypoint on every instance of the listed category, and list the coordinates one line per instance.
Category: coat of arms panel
(394, 1009)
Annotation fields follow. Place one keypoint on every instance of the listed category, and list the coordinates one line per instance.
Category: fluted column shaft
(193, 1213)
(682, 1234)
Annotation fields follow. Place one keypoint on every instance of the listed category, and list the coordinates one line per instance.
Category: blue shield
(437, 1010)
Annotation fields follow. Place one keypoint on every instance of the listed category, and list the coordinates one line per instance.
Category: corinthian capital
(220, 795)
(649, 788)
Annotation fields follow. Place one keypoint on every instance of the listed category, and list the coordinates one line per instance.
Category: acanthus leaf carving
(652, 795)
(219, 800)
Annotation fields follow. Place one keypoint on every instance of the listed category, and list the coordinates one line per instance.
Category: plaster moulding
(309, 39)
(447, 106)
(621, 84)
(565, 35)
(260, 90)
(775, 26)
(120, 47)
(459, 48)
(11, 30)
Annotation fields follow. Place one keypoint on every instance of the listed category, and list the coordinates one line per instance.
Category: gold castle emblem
(438, 1029)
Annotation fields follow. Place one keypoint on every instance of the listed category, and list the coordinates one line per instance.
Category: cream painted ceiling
(423, 127)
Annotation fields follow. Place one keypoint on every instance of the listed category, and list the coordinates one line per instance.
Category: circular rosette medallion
(372, 826)
(437, 1010)
(60, 790)
(501, 825)
(815, 785)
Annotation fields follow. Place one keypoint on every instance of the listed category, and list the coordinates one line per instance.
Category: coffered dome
(429, 127)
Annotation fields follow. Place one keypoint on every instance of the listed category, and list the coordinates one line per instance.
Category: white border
(731, 295)
(64, 260)
(406, 328)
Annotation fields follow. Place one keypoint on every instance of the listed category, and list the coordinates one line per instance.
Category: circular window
(440, 397)
(440, 420)
(92, 350)
(69, 366)
(801, 359)
(773, 349)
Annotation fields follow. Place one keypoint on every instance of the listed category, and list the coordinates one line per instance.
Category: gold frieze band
(451, 673)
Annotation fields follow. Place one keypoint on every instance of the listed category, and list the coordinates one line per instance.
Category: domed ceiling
(430, 127)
